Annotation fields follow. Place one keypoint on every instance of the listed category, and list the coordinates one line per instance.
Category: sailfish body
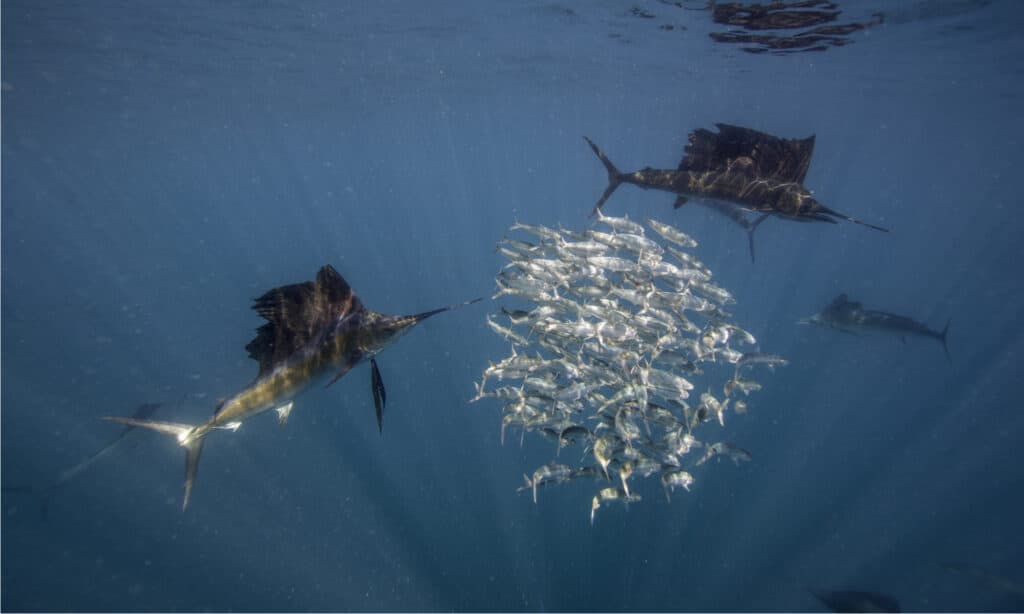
(747, 169)
(848, 315)
(315, 331)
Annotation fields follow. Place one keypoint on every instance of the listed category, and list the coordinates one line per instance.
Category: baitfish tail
(188, 436)
(614, 176)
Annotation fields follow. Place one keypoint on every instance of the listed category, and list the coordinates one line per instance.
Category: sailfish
(316, 331)
(742, 168)
(847, 316)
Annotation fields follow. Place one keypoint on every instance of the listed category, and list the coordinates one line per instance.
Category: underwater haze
(165, 164)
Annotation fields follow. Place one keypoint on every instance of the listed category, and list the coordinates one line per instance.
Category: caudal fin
(188, 437)
(614, 176)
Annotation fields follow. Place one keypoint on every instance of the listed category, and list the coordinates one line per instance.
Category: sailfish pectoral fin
(379, 394)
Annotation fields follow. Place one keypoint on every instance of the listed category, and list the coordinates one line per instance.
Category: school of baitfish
(616, 334)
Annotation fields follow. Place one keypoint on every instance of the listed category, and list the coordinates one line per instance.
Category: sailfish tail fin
(188, 436)
(614, 176)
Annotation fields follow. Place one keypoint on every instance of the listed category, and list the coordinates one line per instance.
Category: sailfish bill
(314, 330)
(751, 170)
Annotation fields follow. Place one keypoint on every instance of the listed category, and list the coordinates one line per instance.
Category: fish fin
(680, 201)
(942, 338)
(297, 313)
(614, 176)
(750, 233)
(667, 496)
(779, 158)
(379, 394)
(175, 429)
(192, 452)
(283, 412)
(182, 433)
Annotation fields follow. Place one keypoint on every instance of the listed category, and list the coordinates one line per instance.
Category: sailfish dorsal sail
(784, 160)
(297, 314)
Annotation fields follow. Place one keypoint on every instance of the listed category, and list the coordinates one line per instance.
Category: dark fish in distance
(849, 316)
(315, 331)
(141, 412)
(752, 170)
(856, 601)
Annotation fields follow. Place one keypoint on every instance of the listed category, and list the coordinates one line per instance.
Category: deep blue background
(164, 164)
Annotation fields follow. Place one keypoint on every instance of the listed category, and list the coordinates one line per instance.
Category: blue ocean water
(164, 164)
